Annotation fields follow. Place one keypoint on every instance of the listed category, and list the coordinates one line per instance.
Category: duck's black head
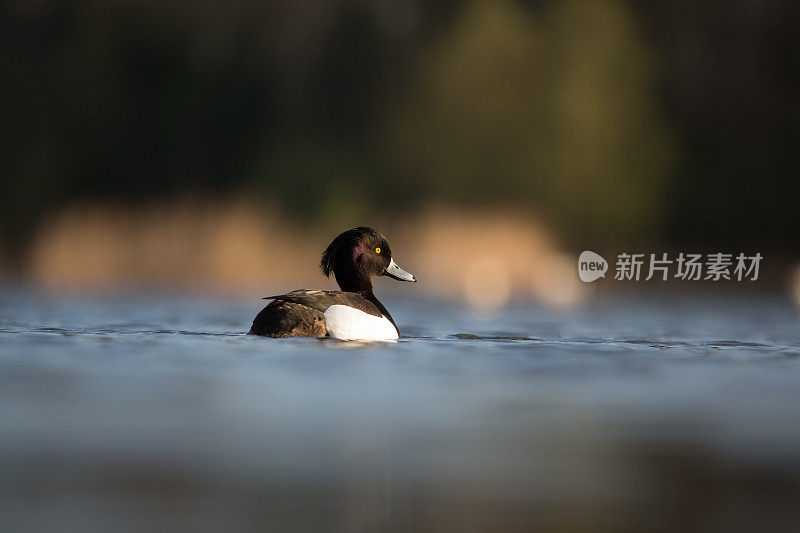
(358, 256)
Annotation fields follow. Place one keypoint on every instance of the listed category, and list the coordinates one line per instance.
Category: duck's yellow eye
(377, 250)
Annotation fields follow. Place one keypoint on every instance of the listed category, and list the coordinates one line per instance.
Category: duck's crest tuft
(350, 237)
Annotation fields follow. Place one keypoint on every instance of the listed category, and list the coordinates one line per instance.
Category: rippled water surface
(145, 411)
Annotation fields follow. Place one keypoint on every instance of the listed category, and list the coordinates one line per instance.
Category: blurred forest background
(162, 139)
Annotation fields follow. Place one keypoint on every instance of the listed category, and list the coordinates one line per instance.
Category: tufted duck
(355, 257)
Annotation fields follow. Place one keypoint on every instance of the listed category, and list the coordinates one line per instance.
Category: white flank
(350, 324)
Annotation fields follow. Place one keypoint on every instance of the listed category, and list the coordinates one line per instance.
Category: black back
(321, 300)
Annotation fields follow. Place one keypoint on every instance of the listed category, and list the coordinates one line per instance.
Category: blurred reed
(239, 247)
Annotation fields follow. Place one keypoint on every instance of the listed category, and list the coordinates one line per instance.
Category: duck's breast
(348, 323)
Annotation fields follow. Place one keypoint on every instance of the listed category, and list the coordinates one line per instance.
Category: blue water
(146, 411)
